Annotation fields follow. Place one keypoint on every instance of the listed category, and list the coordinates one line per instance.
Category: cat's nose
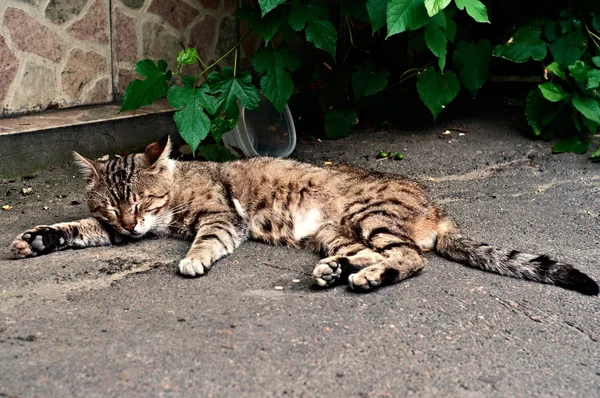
(129, 227)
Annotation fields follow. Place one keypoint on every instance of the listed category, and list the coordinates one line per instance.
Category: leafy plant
(569, 100)
(208, 103)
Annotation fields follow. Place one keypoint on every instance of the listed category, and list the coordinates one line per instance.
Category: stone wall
(65, 53)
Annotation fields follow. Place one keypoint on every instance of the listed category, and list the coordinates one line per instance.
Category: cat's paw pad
(327, 273)
(192, 267)
(366, 279)
(40, 240)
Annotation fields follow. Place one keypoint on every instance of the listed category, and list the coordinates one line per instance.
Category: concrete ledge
(92, 131)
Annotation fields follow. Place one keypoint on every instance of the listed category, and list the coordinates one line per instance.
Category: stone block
(8, 68)
(227, 39)
(37, 89)
(177, 13)
(29, 35)
(124, 76)
(210, 4)
(60, 11)
(100, 93)
(203, 36)
(93, 26)
(81, 68)
(159, 42)
(135, 4)
(124, 37)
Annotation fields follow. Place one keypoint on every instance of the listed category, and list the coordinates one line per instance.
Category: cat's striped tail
(453, 245)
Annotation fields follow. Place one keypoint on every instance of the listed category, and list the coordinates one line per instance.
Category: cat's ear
(158, 153)
(88, 167)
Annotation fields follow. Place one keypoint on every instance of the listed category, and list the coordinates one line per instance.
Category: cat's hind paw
(367, 279)
(327, 273)
(37, 241)
(192, 267)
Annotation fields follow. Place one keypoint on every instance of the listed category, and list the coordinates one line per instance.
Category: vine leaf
(569, 48)
(376, 10)
(403, 15)
(595, 156)
(339, 123)
(475, 9)
(277, 84)
(268, 5)
(320, 32)
(554, 68)
(437, 90)
(233, 89)
(553, 92)
(266, 26)
(192, 121)
(588, 107)
(187, 56)
(526, 43)
(436, 42)
(573, 144)
(435, 6)
(368, 80)
(473, 62)
(145, 92)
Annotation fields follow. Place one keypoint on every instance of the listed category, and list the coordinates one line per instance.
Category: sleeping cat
(370, 228)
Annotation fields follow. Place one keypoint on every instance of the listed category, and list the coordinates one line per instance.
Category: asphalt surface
(119, 321)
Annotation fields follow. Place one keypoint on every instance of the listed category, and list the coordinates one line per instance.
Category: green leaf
(435, 6)
(539, 112)
(475, 9)
(593, 76)
(579, 71)
(233, 89)
(323, 35)
(437, 90)
(277, 82)
(368, 80)
(215, 153)
(187, 56)
(473, 62)
(320, 32)
(450, 30)
(145, 92)
(588, 107)
(551, 30)
(595, 156)
(266, 26)
(339, 122)
(590, 124)
(554, 68)
(188, 81)
(376, 10)
(553, 92)
(525, 44)
(569, 48)
(436, 42)
(268, 5)
(222, 124)
(573, 144)
(596, 61)
(403, 15)
(192, 121)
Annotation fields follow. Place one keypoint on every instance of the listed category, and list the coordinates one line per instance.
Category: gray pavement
(120, 322)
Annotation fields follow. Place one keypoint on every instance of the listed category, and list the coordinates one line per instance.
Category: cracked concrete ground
(119, 321)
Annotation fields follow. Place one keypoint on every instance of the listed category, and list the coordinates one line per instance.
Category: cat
(371, 229)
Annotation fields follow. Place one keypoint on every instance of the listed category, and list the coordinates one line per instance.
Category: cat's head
(131, 193)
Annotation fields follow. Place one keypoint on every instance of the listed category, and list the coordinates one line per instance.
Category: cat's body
(371, 229)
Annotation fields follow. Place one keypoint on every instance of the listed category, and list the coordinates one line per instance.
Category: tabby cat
(370, 228)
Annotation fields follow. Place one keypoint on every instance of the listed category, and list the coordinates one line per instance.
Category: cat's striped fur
(371, 229)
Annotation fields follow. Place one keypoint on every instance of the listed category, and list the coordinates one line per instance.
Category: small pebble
(46, 207)
(27, 191)
(278, 287)
(296, 280)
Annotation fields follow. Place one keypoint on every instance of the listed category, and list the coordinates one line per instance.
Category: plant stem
(224, 55)
(235, 58)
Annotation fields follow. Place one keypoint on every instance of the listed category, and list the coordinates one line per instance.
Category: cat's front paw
(37, 241)
(327, 273)
(192, 267)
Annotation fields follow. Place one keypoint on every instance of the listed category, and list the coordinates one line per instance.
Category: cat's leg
(384, 232)
(216, 236)
(45, 239)
(343, 254)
